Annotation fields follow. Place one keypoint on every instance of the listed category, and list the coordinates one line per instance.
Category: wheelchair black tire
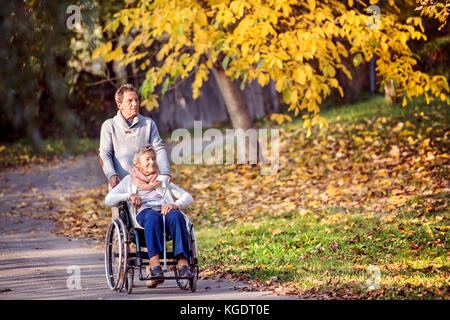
(194, 261)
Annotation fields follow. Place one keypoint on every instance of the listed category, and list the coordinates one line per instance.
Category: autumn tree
(438, 9)
(297, 44)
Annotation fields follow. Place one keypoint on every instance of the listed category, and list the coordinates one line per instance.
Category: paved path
(37, 264)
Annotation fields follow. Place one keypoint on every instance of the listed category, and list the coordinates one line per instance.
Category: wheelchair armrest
(122, 204)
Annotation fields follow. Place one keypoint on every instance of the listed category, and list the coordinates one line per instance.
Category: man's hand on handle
(114, 181)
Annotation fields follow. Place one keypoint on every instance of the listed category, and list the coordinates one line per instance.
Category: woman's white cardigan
(126, 188)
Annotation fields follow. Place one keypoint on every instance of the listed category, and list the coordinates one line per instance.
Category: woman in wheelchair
(143, 190)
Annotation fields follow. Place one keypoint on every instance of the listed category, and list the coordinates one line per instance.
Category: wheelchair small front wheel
(129, 280)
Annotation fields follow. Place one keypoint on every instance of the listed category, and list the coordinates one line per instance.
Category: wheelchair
(120, 261)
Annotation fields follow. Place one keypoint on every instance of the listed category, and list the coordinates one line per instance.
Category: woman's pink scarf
(144, 182)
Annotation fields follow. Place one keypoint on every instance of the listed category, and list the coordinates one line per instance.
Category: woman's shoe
(156, 272)
(185, 272)
(151, 284)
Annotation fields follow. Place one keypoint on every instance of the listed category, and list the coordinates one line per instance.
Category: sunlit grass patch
(315, 251)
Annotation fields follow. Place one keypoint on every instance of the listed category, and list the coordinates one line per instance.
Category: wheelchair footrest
(164, 278)
(144, 255)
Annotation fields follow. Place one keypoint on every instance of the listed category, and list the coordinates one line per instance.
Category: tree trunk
(236, 106)
(389, 93)
(237, 109)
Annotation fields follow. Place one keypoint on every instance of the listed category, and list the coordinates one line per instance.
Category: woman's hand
(168, 207)
(136, 201)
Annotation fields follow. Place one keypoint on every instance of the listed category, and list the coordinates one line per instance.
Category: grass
(331, 252)
(374, 107)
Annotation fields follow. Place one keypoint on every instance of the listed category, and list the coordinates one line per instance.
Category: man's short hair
(124, 88)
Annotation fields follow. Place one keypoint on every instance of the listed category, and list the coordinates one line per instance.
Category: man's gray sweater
(119, 141)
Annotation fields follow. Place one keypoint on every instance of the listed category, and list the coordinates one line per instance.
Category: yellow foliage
(116, 54)
(273, 40)
(102, 50)
(280, 118)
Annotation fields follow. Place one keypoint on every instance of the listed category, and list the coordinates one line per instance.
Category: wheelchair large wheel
(116, 255)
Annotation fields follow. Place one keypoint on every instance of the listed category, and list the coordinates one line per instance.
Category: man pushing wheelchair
(131, 155)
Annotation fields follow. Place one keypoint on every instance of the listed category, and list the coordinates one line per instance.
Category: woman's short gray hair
(141, 151)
